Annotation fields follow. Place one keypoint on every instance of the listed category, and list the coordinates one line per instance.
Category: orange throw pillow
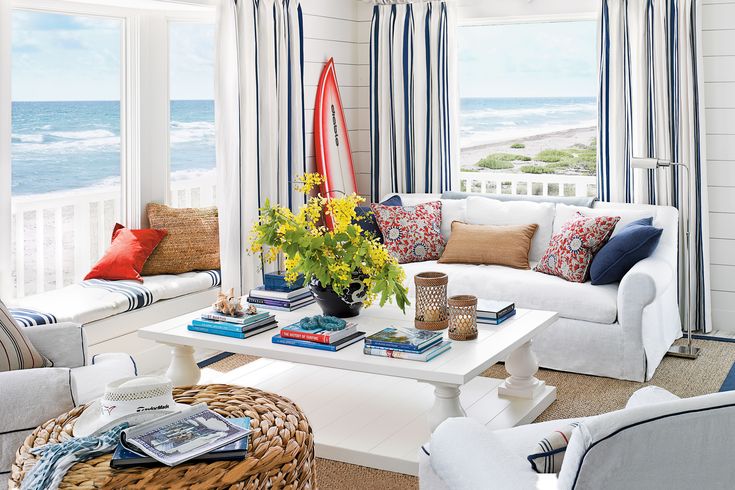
(125, 257)
(489, 244)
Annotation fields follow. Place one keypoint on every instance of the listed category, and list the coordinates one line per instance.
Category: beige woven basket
(431, 300)
(280, 450)
(462, 317)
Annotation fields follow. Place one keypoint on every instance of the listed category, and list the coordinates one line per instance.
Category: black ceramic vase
(332, 304)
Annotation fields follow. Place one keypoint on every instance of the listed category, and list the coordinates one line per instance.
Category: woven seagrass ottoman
(280, 451)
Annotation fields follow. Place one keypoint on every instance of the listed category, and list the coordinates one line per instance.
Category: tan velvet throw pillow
(192, 243)
(489, 244)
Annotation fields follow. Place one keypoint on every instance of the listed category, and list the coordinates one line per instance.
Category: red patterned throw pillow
(411, 233)
(570, 251)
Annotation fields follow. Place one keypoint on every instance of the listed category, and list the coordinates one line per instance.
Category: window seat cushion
(96, 299)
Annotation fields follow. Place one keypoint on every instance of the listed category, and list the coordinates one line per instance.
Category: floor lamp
(687, 351)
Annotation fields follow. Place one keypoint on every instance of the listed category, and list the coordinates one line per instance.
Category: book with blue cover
(241, 319)
(428, 354)
(295, 295)
(340, 344)
(493, 309)
(496, 321)
(234, 327)
(235, 335)
(407, 339)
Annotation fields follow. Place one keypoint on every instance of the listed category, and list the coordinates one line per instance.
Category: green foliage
(552, 156)
(487, 162)
(537, 169)
(517, 146)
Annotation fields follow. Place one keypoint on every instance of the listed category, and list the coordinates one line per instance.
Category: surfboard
(331, 139)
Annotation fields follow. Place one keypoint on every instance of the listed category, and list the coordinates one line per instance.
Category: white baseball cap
(133, 400)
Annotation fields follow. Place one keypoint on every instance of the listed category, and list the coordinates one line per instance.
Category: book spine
(269, 302)
(397, 354)
(231, 327)
(393, 346)
(215, 317)
(497, 321)
(216, 331)
(301, 343)
(310, 337)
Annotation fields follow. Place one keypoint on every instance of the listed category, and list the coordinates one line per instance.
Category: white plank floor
(373, 420)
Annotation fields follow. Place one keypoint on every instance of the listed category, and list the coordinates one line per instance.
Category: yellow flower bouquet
(343, 262)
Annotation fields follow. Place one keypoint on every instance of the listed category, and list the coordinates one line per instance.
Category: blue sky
(64, 57)
(528, 60)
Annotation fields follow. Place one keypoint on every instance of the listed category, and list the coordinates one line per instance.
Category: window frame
(144, 103)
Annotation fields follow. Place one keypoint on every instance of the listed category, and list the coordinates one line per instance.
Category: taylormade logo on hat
(134, 400)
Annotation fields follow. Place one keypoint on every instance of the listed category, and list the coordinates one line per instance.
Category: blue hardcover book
(234, 335)
(286, 308)
(235, 451)
(498, 321)
(340, 344)
(233, 327)
(406, 339)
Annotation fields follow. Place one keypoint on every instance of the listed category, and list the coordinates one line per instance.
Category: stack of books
(280, 300)
(491, 312)
(331, 340)
(407, 343)
(239, 327)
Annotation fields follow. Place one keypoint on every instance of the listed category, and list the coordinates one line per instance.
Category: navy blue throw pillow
(634, 243)
(369, 224)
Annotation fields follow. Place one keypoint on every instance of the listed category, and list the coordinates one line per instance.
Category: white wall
(718, 39)
(341, 29)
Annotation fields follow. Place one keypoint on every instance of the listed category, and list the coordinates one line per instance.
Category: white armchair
(657, 442)
(30, 397)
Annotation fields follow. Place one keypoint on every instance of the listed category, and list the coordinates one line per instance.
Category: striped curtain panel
(413, 101)
(650, 105)
(259, 112)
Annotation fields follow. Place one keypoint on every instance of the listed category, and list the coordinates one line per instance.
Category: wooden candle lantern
(462, 317)
(431, 300)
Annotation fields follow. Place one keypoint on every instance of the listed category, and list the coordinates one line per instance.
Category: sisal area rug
(577, 396)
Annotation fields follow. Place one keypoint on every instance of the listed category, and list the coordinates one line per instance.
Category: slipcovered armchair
(30, 397)
(658, 441)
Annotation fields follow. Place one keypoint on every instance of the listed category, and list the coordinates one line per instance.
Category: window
(528, 108)
(191, 85)
(66, 153)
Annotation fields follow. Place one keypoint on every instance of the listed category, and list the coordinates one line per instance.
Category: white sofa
(30, 397)
(616, 330)
(657, 442)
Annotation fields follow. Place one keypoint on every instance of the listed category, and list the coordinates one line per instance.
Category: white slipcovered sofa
(30, 397)
(657, 442)
(619, 330)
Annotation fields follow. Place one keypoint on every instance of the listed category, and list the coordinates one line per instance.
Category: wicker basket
(431, 300)
(280, 450)
(462, 317)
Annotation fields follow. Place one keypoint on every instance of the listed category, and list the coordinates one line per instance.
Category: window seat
(113, 311)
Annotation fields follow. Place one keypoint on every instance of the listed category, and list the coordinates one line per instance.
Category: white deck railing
(528, 184)
(58, 236)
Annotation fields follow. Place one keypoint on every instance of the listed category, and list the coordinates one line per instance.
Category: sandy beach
(570, 151)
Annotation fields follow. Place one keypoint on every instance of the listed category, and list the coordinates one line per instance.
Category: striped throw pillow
(549, 453)
(16, 351)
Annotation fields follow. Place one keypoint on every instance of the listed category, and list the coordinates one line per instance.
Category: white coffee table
(369, 410)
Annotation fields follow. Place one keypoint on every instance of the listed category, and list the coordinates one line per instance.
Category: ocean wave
(470, 138)
(488, 112)
(111, 143)
(83, 135)
(27, 138)
(190, 132)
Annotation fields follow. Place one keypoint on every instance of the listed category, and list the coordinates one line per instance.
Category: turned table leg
(522, 366)
(446, 404)
(183, 369)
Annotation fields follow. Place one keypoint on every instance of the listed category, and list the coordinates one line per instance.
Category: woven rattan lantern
(462, 317)
(431, 300)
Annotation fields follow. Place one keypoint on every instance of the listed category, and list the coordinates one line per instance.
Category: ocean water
(491, 120)
(59, 146)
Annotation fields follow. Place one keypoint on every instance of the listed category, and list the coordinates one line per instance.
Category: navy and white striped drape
(650, 105)
(412, 98)
(259, 101)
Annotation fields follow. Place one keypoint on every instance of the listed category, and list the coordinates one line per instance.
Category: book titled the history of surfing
(338, 345)
(182, 436)
(319, 335)
(408, 339)
(235, 451)
(425, 356)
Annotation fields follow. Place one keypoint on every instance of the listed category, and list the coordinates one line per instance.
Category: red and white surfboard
(331, 140)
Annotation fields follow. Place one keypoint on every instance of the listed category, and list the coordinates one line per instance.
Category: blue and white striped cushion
(549, 454)
(16, 351)
(31, 318)
(138, 295)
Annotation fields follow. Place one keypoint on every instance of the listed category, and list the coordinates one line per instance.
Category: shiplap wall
(341, 29)
(718, 39)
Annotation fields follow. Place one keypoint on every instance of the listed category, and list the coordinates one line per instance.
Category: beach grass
(498, 161)
(517, 146)
(579, 159)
